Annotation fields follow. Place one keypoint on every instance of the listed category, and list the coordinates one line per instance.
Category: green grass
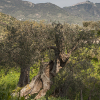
(53, 98)
(9, 82)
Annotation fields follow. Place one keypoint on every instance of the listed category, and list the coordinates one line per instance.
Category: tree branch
(65, 57)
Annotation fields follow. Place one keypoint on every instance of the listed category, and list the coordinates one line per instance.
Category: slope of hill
(86, 10)
(24, 10)
(4, 21)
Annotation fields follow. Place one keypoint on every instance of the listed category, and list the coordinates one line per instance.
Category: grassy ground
(9, 82)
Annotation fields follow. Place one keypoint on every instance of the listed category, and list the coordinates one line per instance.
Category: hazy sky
(62, 3)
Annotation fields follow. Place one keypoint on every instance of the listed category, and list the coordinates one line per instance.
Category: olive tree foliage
(74, 79)
(27, 41)
(22, 44)
(64, 40)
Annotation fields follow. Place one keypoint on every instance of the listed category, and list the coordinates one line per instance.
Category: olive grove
(68, 48)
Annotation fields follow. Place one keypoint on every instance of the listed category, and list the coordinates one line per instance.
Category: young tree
(22, 46)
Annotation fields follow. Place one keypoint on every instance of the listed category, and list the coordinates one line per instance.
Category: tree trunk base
(24, 76)
(40, 83)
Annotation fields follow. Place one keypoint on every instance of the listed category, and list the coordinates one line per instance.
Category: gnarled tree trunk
(42, 82)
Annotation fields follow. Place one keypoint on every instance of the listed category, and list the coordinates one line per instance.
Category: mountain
(86, 10)
(24, 10)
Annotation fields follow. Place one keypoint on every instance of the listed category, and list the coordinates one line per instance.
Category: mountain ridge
(85, 2)
(25, 10)
(86, 10)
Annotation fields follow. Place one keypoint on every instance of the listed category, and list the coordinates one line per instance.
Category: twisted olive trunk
(42, 82)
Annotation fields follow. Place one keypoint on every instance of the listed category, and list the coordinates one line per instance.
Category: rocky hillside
(86, 10)
(24, 10)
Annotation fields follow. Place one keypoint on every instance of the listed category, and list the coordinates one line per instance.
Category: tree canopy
(71, 50)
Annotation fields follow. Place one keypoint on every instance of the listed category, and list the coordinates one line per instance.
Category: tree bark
(24, 76)
(40, 83)
(81, 95)
(89, 98)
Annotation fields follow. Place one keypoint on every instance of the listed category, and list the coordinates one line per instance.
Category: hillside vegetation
(88, 11)
(4, 21)
(24, 10)
(63, 59)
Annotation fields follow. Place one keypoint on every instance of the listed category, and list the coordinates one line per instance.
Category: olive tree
(64, 40)
(22, 44)
(26, 42)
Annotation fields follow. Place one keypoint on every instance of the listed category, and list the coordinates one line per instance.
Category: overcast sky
(62, 3)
